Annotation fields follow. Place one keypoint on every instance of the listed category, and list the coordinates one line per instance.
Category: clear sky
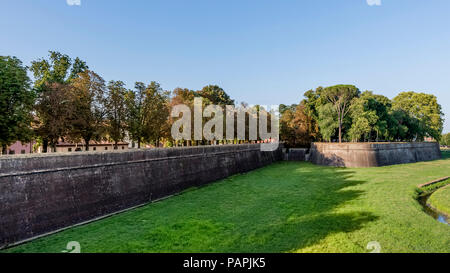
(261, 52)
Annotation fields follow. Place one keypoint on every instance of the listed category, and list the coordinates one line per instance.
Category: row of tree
(343, 113)
(69, 102)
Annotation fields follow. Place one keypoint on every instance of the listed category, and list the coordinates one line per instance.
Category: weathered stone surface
(297, 154)
(372, 154)
(44, 193)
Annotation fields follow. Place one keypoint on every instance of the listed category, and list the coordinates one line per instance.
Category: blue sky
(261, 52)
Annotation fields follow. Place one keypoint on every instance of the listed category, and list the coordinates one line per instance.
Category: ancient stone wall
(372, 154)
(44, 193)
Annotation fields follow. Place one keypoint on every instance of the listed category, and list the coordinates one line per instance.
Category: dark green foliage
(445, 139)
(369, 117)
(424, 111)
(156, 111)
(116, 111)
(58, 68)
(16, 102)
(87, 97)
(147, 113)
(54, 106)
(135, 112)
(216, 95)
(340, 98)
(328, 121)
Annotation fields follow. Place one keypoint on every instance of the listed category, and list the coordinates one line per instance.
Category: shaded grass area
(286, 207)
(445, 153)
(440, 200)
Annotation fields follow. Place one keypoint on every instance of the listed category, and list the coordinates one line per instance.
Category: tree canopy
(445, 139)
(340, 98)
(342, 112)
(16, 102)
(87, 96)
(425, 111)
(70, 102)
(58, 68)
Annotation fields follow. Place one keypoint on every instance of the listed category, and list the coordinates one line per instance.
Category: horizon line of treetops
(69, 102)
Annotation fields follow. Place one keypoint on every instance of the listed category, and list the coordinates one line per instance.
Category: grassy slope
(441, 200)
(286, 207)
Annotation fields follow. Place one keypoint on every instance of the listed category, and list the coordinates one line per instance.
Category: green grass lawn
(441, 200)
(285, 207)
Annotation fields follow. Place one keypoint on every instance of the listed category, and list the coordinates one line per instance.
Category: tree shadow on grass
(445, 154)
(281, 208)
(312, 196)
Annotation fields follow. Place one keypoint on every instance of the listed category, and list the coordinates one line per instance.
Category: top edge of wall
(373, 145)
(15, 165)
(130, 150)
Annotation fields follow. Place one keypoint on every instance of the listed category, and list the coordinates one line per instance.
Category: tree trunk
(86, 141)
(139, 144)
(45, 146)
(340, 132)
(4, 151)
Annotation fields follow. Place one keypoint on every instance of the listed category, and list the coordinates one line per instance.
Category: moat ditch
(423, 200)
(426, 191)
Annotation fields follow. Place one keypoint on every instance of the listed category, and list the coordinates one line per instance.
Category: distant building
(68, 147)
(65, 147)
(20, 148)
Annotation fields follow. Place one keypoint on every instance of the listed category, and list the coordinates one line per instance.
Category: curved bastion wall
(44, 193)
(372, 154)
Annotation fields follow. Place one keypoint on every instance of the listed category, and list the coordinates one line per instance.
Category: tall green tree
(16, 102)
(135, 113)
(328, 121)
(409, 117)
(148, 113)
(54, 111)
(116, 111)
(401, 126)
(425, 109)
(445, 139)
(57, 68)
(52, 78)
(156, 110)
(364, 118)
(370, 117)
(87, 96)
(313, 99)
(340, 97)
(381, 105)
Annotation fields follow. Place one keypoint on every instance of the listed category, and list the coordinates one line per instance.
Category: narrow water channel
(430, 211)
